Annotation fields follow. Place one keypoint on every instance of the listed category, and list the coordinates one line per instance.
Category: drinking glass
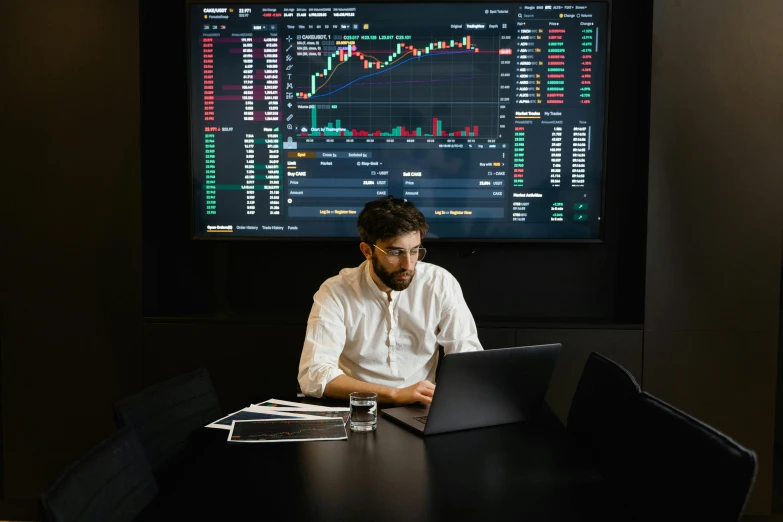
(364, 411)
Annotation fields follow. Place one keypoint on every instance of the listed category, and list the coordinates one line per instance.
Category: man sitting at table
(377, 327)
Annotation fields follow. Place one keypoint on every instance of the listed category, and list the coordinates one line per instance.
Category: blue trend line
(386, 70)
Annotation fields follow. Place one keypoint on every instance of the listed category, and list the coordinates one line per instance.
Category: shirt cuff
(315, 380)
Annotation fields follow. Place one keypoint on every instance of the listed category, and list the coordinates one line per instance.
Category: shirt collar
(374, 288)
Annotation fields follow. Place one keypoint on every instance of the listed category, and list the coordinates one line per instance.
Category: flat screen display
(490, 117)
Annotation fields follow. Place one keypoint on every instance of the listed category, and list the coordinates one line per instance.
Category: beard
(392, 279)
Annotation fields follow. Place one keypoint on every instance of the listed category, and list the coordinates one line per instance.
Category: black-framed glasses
(394, 255)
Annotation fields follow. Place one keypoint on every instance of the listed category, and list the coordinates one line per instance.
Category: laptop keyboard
(422, 419)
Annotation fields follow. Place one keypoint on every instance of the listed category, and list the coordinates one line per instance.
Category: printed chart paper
(344, 413)
(287, 430)
(256, 413)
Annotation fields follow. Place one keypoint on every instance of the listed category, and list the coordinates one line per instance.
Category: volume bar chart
(335, 129)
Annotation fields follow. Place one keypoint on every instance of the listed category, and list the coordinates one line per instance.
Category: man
(377, 327)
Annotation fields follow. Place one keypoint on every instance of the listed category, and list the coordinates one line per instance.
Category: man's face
(396, 273)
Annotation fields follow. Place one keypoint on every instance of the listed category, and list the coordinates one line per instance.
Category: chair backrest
(688, 470)
(603, 388)
(600, 412)
(112, 482)
(658, 462)
(164, 415)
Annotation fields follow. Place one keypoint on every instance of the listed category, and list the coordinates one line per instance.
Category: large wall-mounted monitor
(490, 117)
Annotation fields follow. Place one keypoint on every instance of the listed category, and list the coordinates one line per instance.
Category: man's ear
(366, 249)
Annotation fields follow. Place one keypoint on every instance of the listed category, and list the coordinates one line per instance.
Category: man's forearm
(341, 386)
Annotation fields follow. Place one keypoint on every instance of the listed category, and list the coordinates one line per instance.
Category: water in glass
(364, 411)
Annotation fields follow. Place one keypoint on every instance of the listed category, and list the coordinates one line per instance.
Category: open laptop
(484, 388)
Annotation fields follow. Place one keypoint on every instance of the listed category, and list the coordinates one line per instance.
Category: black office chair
(165, 415)
(599, 416)
(112, 482)
(657, 462)
(687, 470)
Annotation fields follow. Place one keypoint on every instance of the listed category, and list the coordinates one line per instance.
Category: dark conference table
(523, 471)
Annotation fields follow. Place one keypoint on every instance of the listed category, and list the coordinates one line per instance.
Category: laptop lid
(484, 388)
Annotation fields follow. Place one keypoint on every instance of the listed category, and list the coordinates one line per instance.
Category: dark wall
(272, 282)
(714, 249)
(70, 303)
(779, 394)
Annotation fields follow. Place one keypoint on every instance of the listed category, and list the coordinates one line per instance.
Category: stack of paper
(278, 421)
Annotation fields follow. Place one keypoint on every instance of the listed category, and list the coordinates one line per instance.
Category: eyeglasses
(394, 255)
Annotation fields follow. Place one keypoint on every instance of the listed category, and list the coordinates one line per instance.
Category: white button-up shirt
(354, 329)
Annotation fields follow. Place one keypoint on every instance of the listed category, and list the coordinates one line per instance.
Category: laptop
(484, 388)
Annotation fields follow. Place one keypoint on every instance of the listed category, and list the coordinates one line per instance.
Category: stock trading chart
(489, 117)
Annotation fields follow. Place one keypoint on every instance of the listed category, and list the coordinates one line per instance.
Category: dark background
(102, 292)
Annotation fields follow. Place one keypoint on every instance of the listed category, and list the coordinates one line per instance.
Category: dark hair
(388, 217)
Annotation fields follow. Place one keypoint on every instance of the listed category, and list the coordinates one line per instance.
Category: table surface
(523, 471)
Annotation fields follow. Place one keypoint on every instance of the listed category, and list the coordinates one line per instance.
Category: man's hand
(422, 392)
